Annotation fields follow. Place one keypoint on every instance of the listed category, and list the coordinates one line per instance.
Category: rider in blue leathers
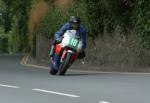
(74, 23)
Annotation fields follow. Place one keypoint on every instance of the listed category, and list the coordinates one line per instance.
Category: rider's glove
(82, 54)
(58, 40)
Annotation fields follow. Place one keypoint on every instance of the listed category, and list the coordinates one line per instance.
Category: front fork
(75, 55)
(57, 60)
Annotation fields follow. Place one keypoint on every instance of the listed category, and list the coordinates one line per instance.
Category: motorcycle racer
(75, 24)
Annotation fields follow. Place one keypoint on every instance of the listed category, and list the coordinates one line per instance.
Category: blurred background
(118, 30)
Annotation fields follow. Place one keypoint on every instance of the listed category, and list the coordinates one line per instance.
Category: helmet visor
(76, 26)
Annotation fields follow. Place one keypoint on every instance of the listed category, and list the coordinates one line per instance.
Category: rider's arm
(61, 32)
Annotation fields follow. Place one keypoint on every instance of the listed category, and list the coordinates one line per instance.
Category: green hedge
(141, 21)
(57, 17)
(103, 15)
(4, 44)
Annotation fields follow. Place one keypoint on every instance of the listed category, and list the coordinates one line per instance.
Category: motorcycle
(68, 51)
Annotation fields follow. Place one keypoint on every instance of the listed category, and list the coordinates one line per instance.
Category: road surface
(21, 84)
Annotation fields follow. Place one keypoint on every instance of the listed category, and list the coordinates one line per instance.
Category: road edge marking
(26, 57)
(36, 66)
(84, 71)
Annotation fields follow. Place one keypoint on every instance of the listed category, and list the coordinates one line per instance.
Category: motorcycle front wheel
(65, 64)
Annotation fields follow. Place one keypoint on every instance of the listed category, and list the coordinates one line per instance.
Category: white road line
(104, 102)
(58, 93)
(9, 86)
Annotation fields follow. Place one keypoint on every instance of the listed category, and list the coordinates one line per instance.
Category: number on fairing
(74, 42)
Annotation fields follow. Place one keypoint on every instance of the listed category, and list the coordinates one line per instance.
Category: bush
(100, 16)
(141, 21)
(58, 16)
(51, 23)
(4, 44)
(14, 42)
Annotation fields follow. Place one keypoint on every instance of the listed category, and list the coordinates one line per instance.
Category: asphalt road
(20, 84)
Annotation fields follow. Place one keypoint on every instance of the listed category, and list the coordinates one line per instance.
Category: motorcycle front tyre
(65, 65)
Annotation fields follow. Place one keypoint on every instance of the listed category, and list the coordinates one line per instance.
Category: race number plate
(73, 43)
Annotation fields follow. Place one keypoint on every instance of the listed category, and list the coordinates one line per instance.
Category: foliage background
(118, 31)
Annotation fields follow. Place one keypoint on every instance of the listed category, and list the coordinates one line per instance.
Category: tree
(7, 15)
